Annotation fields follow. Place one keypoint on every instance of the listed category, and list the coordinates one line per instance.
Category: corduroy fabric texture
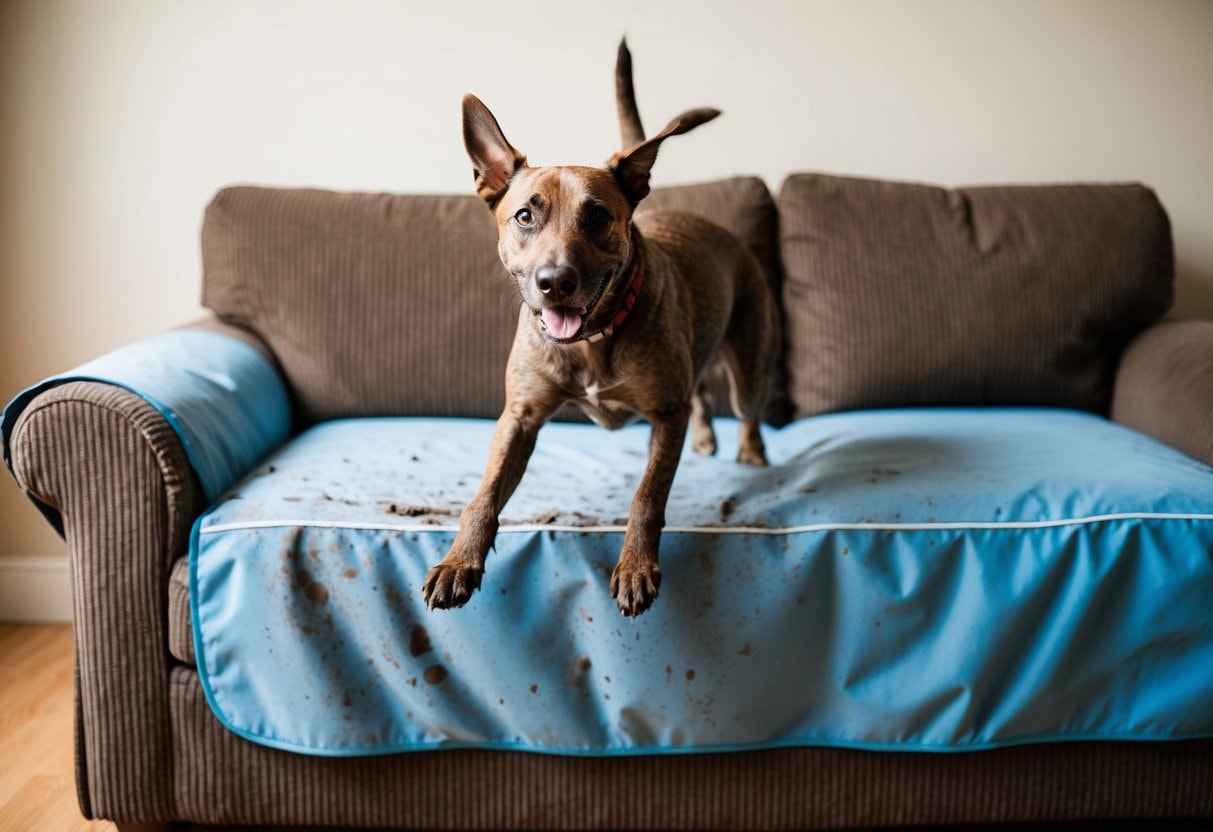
(180, 626)
(240, 782)
(901, 294)
(395, 305)
(116, 470)
(1164, 386)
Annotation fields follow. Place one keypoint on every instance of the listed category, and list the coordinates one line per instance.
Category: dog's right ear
(494, 160)
(631, 167)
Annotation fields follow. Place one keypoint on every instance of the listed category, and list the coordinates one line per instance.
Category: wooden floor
(37, 777)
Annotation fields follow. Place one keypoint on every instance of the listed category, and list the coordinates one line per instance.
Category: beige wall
(120, 119)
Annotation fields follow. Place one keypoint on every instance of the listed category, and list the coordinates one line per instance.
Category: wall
(119, 120)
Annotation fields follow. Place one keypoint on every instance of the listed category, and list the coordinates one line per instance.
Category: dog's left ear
(631, 167)
(494, 159)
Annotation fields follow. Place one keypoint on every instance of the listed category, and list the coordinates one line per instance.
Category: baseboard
(35, 588)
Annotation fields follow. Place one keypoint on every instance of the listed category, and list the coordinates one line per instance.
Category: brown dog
(621, 318)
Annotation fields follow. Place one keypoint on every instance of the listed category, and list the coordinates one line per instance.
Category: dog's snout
(557, 282)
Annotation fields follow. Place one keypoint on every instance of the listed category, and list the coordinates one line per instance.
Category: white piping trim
(723, 530)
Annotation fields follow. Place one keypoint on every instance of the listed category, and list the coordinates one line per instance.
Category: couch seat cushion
(904, 579)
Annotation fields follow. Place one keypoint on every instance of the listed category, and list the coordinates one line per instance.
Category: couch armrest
(1164, 386)
(111, 468)
(216, 386)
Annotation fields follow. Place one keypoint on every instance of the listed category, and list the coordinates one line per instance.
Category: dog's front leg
(451, 582)
(637, 576)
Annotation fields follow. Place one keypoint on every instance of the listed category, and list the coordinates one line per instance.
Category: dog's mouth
(563, 324)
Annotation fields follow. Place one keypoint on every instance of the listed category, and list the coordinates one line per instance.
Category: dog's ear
(631, 167)
(494, 160)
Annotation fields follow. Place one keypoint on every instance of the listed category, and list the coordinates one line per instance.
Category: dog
(621, 314)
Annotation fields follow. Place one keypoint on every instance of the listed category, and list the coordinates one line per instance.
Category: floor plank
(37, 777)
(37, 787)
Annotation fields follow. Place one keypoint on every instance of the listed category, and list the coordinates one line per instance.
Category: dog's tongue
(561, 321)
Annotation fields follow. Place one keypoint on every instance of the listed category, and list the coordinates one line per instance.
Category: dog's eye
(524, 217)
(596, 216)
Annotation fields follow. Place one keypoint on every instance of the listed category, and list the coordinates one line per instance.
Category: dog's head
(564, 233)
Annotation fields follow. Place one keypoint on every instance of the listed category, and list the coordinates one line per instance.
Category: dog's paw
(449, 585)
(704, 443)
(751, 450)
(752, 455)
(634, 585)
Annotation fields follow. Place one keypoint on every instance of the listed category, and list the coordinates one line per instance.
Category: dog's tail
(630, 128)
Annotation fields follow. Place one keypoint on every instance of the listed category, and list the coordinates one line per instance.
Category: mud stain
(419, 642)
(727, 508)
(435, 674)
(421, 511)
(555, 518)
(691, 674)
(316, 592)
(350, 573)
(578, 673)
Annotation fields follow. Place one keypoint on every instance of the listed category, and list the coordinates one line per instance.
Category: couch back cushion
(397, 305)
(902, 294)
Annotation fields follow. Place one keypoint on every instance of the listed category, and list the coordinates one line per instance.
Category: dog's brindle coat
(568, 239)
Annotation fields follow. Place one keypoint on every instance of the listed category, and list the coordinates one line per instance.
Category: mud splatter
(727, 508)
(435, 674)
(690, 674)
(421, 511)
(419, 642)
(534, 688)
(555, 518)
(746, 650)
(578, 673)
(346, 700)
(350, 573)
(316, 592)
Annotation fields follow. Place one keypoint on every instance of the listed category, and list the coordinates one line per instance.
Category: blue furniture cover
(931, 580)
(223, 399)
(934, 580)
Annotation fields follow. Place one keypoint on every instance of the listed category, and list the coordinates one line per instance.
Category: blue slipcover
(926, 580)
(224, 400)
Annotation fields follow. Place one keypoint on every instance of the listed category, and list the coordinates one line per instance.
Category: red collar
(630, 293)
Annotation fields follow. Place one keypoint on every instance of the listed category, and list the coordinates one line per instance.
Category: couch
(937, 341)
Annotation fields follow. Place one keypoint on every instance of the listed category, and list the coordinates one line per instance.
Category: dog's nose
(557, 282)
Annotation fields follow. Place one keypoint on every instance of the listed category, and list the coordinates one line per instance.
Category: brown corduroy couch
(375, 304)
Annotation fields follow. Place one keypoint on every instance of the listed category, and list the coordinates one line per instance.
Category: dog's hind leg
(749, 385)
(703, 438)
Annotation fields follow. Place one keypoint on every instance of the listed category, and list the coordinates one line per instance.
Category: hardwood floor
(37, 777)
